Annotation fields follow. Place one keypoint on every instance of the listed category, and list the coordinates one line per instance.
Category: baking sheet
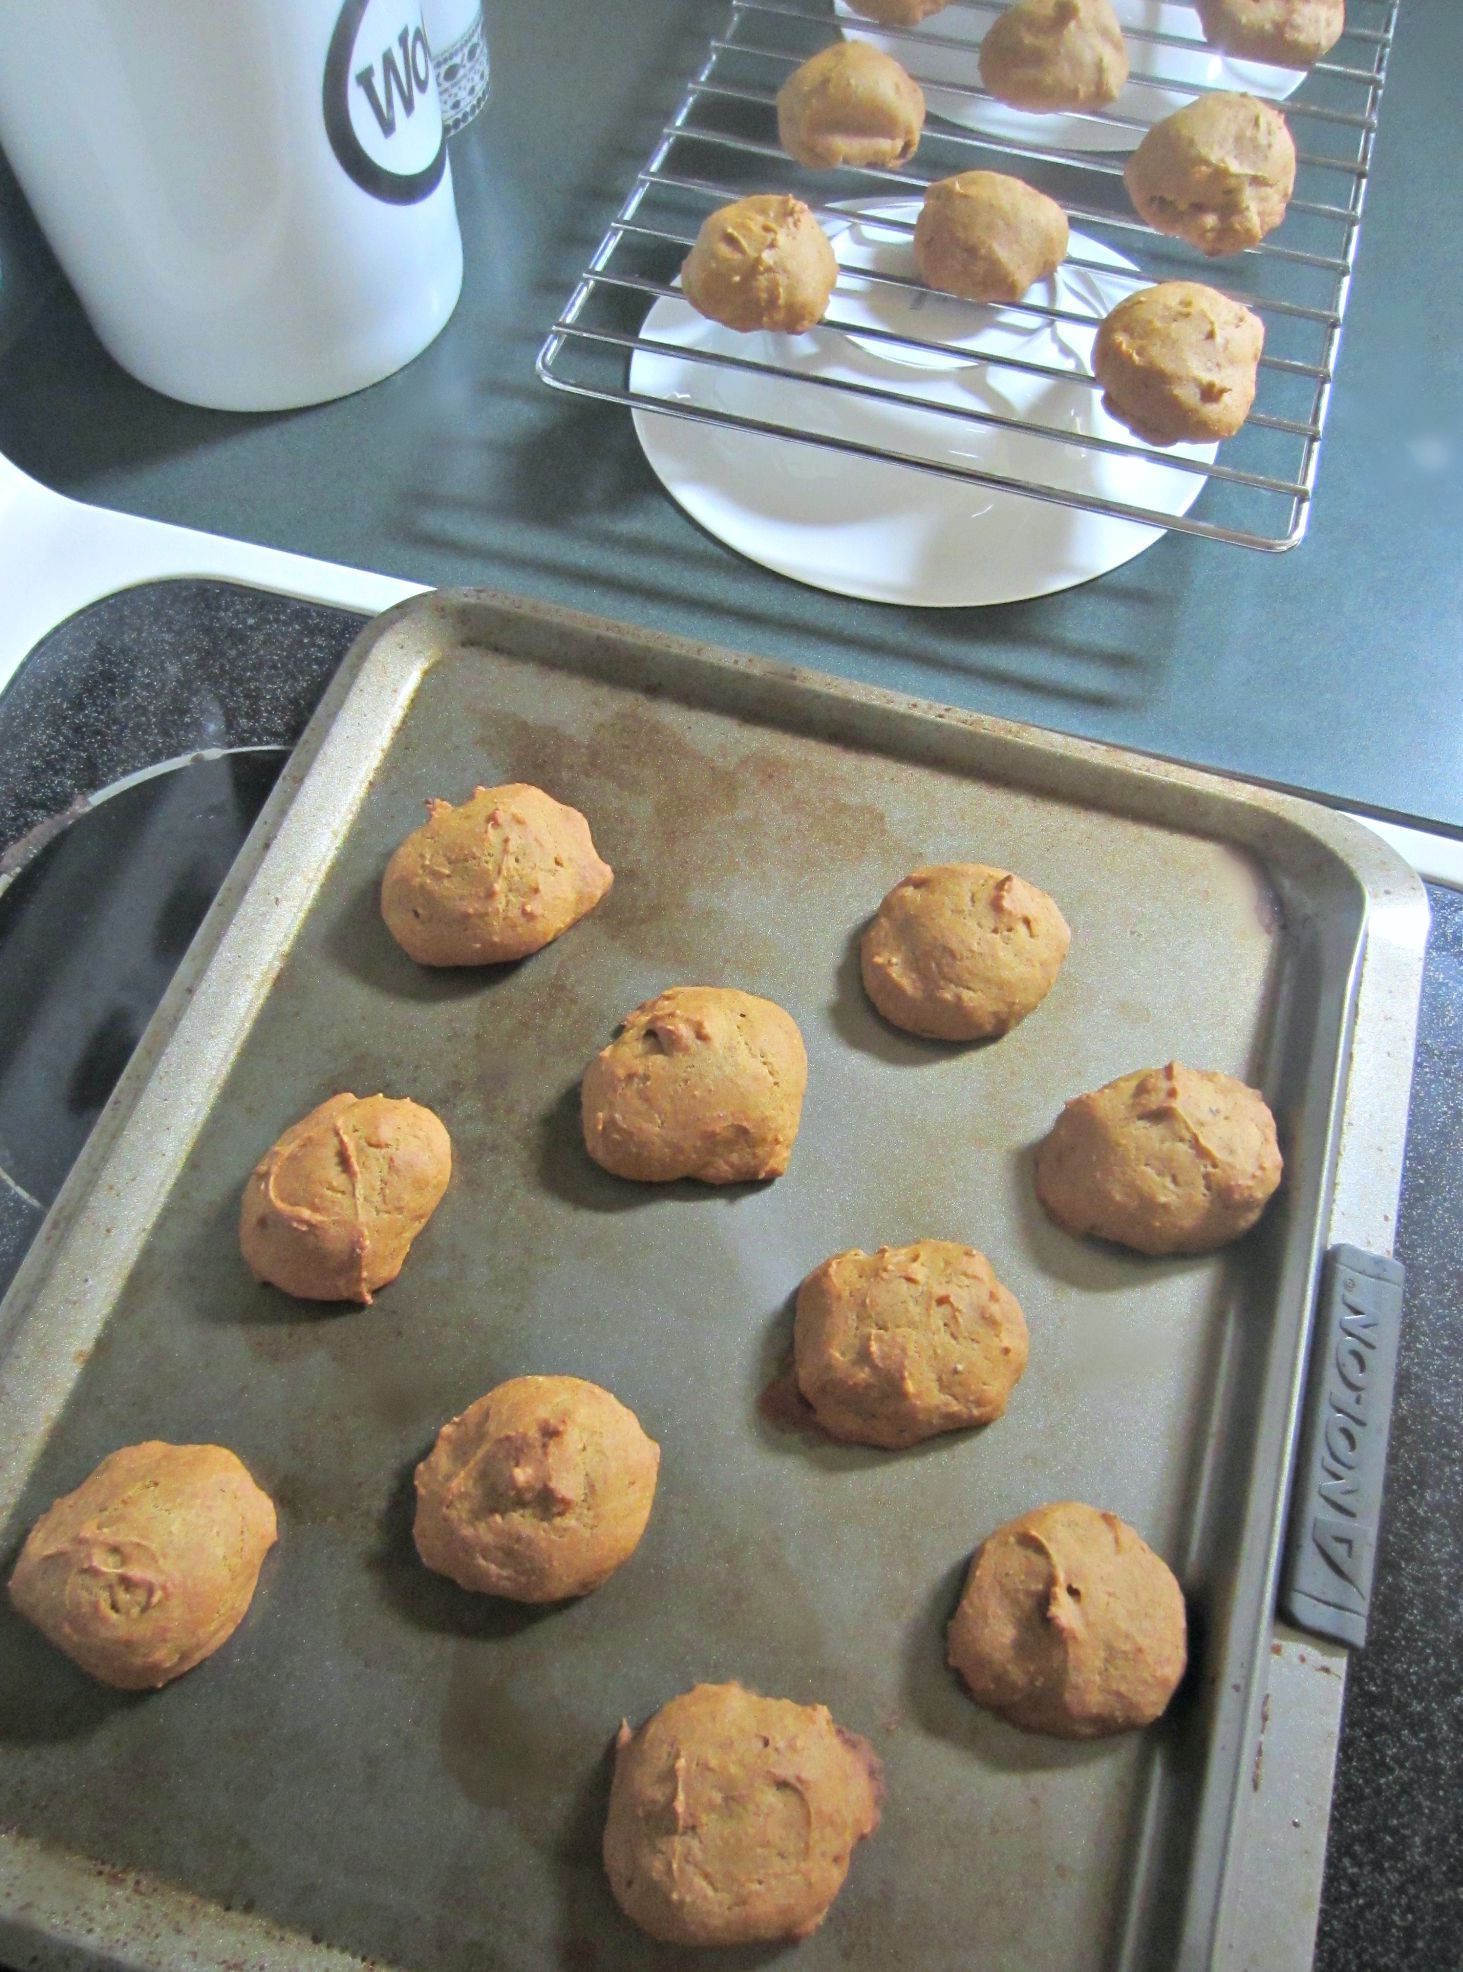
(381, 1766)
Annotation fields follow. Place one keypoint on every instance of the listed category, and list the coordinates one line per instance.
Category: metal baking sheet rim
(50, 1906)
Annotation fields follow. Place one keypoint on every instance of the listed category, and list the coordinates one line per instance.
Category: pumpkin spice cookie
(701, 1082)
(897, 1346)
(538, 1491)
(733, 1818)
(988, 237)
(1217, 173)
(330, 1211)
(1167, 1160)
(898, 13)
(761, 263)
(150, 1565)
(1070, 1624)
(1289, 33)
(1048, 55)
(850, 105)
(1178, 363)
(500, 875)
(962, 952)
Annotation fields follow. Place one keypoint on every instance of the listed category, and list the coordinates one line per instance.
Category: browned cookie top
(1069, 1623)
(498, 876)
(149, 1565)
(1166, 1160)
(539, 1490)
(899, 1345)
(701, 1082)
(733, 1817)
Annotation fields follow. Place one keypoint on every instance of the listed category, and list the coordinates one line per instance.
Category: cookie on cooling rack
(1289, 33)
(761, 263)
(988, 237)
(850, 104)
(1049, 55)
(898, 13)
(1179, 362)
(1218, 173)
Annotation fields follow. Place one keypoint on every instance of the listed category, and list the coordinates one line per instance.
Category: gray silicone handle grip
(1326, 1584)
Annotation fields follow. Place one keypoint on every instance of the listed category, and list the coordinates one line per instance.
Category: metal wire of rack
(721, 144)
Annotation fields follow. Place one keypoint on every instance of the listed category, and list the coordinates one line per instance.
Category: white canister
(252, 198)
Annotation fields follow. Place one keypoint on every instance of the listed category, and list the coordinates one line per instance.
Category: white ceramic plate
(886, 532)
(1144, 102)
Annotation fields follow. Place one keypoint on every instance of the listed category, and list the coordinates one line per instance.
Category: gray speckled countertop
(1394, 1866)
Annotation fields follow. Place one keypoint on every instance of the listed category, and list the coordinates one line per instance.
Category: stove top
(140, 739)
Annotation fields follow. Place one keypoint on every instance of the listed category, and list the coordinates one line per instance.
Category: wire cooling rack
(722, 144)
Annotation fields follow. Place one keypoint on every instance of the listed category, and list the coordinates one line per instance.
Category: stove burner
(180, 700)
(91, 930)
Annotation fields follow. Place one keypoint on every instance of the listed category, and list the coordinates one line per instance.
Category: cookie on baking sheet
(733, 1817)
(1178, 362)
(701, 1082)
(1290, 33)
(1166, 1160)
(962, 951)
(1069, 1623)
(987, 236)
(538, 1491)
(1047, 55)
(896, 1346)
(761, 263)
(330, 1210)
(498, 876)
(149, 1565)
(1217, 173)
(850, 104)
